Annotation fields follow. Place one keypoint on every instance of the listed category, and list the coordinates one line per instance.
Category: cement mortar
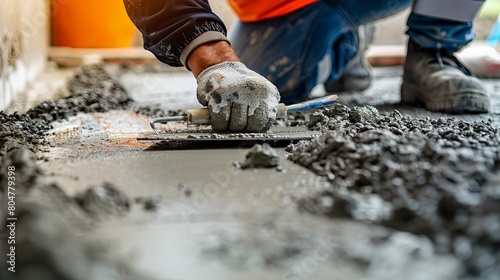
(436, 177)
(49, 247)
(54, 228)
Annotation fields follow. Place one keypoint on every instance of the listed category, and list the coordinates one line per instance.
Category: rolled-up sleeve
(172, 29)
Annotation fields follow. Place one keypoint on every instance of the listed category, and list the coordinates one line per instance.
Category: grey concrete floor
(225, 223)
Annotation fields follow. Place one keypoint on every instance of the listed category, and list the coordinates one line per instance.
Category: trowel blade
(276, 136)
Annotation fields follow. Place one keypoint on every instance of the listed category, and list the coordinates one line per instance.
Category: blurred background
(74, 32)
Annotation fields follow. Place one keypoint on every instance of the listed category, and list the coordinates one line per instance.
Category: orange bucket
(91, 24)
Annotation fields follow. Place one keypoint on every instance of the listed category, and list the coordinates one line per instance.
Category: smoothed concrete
(212, 220)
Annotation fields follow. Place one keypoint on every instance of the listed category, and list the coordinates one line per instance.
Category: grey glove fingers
(238, 118)
(220, 120)
(259, 121)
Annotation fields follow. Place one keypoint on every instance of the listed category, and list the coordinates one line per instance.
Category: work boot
(441, 82)
(357, 75)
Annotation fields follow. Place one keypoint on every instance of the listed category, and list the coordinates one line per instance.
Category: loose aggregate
(92, 90)
(435, 177)
(18, 130)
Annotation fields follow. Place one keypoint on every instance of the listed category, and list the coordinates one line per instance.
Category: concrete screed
(127, 212)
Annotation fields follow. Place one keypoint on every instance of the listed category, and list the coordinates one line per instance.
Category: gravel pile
(20, 131)
(435, 177)
(92, 90)
(95, 89)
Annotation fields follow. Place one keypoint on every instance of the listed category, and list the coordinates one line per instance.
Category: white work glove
(238, 98)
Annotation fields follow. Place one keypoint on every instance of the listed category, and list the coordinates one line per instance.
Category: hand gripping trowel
(202, 117)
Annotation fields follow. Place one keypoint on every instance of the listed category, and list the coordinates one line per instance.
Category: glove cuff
(222, 65)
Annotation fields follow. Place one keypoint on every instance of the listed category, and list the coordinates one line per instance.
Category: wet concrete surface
(192, 214)
(230, 223)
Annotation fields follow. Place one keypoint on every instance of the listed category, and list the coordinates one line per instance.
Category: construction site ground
(193, 214)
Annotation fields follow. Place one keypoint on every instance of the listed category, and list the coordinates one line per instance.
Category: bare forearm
(210, 54)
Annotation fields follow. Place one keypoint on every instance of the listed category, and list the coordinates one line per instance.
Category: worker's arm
(186, 32)
(172, 29)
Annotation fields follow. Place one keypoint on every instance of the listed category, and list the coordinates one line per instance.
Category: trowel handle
(198, 116)
(314, 103)
(202, 116)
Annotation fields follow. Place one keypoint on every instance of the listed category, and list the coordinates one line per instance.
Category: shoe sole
(461, 102)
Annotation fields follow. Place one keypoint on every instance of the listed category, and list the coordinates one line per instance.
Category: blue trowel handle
(311, 104)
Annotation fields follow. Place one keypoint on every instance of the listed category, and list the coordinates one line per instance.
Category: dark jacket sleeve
(170, 27)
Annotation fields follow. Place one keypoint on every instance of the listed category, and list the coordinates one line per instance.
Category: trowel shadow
(194, 144)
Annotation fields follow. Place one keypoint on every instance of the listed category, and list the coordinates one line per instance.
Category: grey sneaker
(357, 75)
(441, 82)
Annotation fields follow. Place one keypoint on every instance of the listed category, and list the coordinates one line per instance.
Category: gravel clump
(95, 89)
(261, 156)
(435, 177)
(154, 111)
(92, 90)
(17, 130)
(105, 199)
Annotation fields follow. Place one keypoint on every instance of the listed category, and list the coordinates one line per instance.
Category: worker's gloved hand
(239, 99)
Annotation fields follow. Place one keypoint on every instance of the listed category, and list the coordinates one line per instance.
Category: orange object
(91, 24)
(256, 10)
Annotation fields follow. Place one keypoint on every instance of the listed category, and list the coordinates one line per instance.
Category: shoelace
(442, 57)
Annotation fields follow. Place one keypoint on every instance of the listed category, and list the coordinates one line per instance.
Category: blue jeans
(313, 45)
